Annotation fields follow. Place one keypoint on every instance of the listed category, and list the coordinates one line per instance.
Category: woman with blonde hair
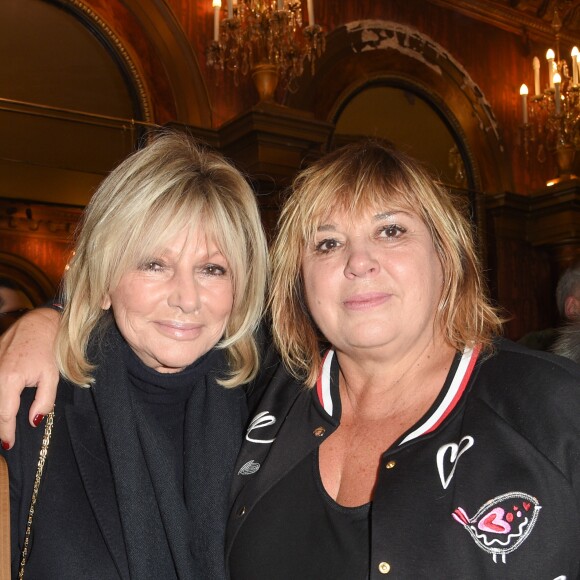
(162, 300)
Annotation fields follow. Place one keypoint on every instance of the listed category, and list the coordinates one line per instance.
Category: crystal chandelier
(267, 39)
(551, 118)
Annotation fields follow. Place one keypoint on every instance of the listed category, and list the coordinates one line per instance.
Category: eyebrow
(388, 214)
(376, 218)
(326, 228)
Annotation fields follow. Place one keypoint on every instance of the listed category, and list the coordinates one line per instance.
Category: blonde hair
(172, 183)
(358, 177)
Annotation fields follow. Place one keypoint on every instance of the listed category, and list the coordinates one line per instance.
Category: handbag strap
(4, 521)
(37, 478)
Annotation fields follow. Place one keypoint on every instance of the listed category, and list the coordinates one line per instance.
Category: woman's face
(174, 308)
(373, 283)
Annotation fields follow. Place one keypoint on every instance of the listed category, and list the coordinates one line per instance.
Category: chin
(171, 366)
(369, 339)
(175, 364)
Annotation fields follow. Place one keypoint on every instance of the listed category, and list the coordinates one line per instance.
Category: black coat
(79, 523)
(77, 528)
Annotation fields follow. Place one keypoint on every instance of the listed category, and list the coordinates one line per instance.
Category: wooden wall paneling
(532, 240)
(523, 275)
(270, 143)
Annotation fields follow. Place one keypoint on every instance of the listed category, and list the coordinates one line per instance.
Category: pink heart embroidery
(526, 505)
(494, 522)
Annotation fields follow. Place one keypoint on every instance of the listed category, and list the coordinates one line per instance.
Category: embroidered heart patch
(494, 522)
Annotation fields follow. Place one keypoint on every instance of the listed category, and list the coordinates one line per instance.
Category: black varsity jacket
(486, 485)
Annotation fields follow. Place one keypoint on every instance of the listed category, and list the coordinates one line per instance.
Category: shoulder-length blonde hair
(172, 183)
(370, 175)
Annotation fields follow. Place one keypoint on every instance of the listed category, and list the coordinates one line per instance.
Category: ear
(106, 302)
(572, 307)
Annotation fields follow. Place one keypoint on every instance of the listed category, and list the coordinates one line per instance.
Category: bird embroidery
(501, 524)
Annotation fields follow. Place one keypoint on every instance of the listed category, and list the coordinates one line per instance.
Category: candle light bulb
(536, 67)
(550, 57)
(310, 8)
(557, 98)
(524, 95)
(217, 4)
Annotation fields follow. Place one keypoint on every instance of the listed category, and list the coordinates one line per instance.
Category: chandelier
(551, 117)
(267, 39)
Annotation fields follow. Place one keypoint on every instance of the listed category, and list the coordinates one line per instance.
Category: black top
(163, 397)
(280, 546)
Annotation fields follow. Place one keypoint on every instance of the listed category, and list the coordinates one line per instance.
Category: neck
(379, 387)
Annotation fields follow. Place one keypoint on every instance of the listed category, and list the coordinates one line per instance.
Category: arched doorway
(419, 127)
(65, 81)
(367, 54)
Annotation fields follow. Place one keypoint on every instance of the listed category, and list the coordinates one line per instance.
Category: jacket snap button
(242, 511)
(384, 567)
(390, 464)
(319, 431)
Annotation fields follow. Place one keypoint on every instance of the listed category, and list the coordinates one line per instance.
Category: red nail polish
(37, 419)
(5, 446)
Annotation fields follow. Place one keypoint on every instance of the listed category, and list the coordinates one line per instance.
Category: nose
(361, 262)
(184, 293)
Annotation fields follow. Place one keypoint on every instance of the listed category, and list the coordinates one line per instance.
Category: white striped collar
(324, 381)
(448, 401)
(451, 398)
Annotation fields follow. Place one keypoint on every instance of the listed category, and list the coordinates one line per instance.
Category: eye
(214, 270)
(152, 266)
(392, 231)
(326, 245)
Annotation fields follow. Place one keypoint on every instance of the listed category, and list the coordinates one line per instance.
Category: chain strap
(37, 478)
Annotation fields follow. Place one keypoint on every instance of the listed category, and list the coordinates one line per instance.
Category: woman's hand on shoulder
(27, 360)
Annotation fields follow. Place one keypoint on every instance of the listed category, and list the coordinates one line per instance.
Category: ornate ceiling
(531, 16)
(569, 11)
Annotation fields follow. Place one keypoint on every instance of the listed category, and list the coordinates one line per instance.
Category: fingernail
(5, 446)
(37, 419)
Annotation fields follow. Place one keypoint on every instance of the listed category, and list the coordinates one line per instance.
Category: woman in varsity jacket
(411, 443)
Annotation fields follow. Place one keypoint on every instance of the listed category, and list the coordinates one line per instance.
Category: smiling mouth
(366, 301)
(179, 330)
(179, 325)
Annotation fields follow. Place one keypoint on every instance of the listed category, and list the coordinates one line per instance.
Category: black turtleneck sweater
(163, 398)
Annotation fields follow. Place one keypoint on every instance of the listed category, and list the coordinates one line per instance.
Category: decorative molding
(144, 101)
(410, 42)
(505, 18)
(50, 221)
(273, 140)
